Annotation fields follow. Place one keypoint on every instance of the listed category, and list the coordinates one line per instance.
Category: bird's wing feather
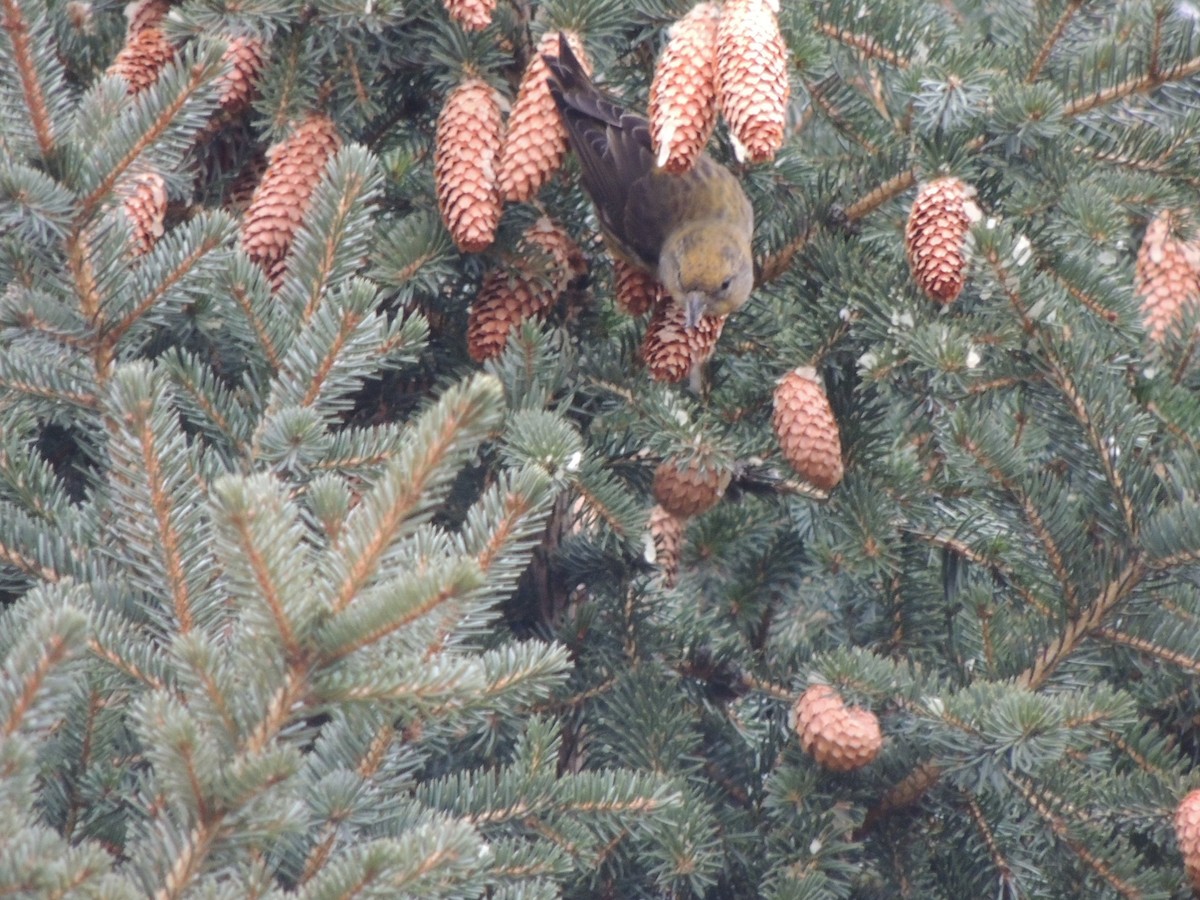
(615, 157)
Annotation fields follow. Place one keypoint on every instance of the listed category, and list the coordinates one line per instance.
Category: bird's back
(637, 203)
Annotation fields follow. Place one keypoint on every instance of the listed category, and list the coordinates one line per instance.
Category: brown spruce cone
(145, 205)
(666, 535)
(545, 262)
(237, 88)
(670, 350)
(936, 234)
(465, 164)
(143, 14)
(839, 738)
(1187, 832)
(638, 291)
(683, 94)
(807, 431)
(1167, 275)
(752, 77)
(690, 488)
(473, 15)
(277, 208)
(536, 141)
(139, 62)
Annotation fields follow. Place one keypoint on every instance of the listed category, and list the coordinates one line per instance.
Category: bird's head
(708, 268)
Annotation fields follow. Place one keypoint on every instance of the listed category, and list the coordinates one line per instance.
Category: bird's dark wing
(615, 156)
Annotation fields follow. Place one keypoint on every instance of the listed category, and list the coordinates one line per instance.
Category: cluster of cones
(146, 53)
(809, 440)
(729, 57)
(1166, 276)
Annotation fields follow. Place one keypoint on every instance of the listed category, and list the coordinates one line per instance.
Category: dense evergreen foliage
(298, 599)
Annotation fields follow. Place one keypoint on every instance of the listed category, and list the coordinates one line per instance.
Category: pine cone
(683, 94)
(638, 291)
(691, 488)
(143, 14)
(145, 206)
(139, 62)
(670, 350)
(1187, 832)
(806, 429)
(752, 77)
(1167, 275)
(277, 208)
(839, 738)
(465, 164)
(936, 233)
(473, 15)
(522, 290)
(666, 535)
(237, 88)
(536, 141)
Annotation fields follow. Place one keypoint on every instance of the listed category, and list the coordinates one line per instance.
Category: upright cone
(1167, 275)
(683, 94)
(752, 78)
(465, 161)
(279, 203)
(936, 234)
(806, 429)
(536, 140)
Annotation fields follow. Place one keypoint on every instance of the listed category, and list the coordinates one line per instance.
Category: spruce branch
(1063, 832)
(868, 46)
(1082, 627)
(1052, 39)
(1149, 648)
(19, 31)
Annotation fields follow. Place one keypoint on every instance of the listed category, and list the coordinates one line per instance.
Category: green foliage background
(299, 601)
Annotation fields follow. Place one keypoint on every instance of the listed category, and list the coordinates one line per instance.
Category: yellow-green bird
(692, 230)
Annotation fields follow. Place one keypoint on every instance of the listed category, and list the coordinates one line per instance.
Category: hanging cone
(806, 429)
(465, 164)
(752, 78)
(683, 94)
(670, 350)
(1187, 832)
(936, 234)
(536, 141)
(522, 290)
(145, 206)
(473, 15)
(638, 291)
(278, 205)
(142, 14)
(142, 58)
(687, 489)
(245, 53)
(666, 535)
(1167, 275)
(838, 737)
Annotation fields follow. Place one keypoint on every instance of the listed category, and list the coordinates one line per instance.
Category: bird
(691, 230)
